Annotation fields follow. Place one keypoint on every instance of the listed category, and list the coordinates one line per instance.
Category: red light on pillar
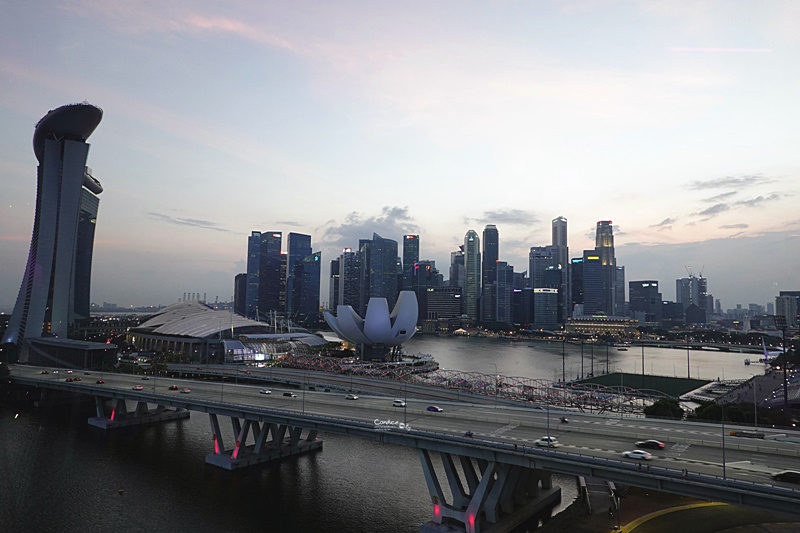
(236, 450)
(216, 445)
(472, 520)
(436, 509)
(113, 413)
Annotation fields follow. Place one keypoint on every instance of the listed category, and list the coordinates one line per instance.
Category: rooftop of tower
(72, 121)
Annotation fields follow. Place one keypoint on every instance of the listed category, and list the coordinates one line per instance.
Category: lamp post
(724, 475)
(592, 347)
(688, 364)
(780, 323)
(563, 367)
(581, 358)
(642, 365)
(607, 343)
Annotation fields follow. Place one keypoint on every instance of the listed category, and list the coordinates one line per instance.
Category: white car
(398, 403)
(637, 454)
(351, 397)
(265, 391)
(547, 442)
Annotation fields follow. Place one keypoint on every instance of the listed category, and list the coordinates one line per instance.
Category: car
(637, 454)
(653, 444)
(351, 397)
(435, 409)
(45, 372)
(138, 387)
(265, 391)
(790, 476)
(76, 379)
(55, 371)
(185, 391)
(145, 378)
(547, 442)
(69, 371)
(100, 381)
(173, 387)
(290, 394)
(86, 374)
(68, 380)
(469, 434)
(398, 403)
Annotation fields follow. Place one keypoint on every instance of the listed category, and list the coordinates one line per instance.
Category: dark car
(173, 387)
(290, 394)
(652, 444)
(790, 476)
(435, 409)
(100, 381)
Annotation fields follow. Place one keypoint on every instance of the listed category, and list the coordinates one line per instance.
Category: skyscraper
(334, 285)
(472, 274)
(561, 248)
(378, 270)
(307, 275)
(253, 273)
(410, 257)
(264, 281)
(600, 273)
(270, 281)
(349, 279)
(645, 300)
(299, 247)
(55, 286)
(491, 254)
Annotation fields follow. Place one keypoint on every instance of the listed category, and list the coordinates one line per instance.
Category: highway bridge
(492, 481)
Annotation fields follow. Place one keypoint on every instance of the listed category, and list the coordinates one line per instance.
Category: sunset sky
(679, 121)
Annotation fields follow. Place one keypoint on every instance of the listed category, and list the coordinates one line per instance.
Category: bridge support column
(119, 416)
(270, 442)
(492, 497)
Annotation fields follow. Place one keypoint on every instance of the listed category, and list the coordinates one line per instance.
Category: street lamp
(581, 358)
(688, 364)
(642, 365)
(724, 475)
(563, 367)
(780, 323)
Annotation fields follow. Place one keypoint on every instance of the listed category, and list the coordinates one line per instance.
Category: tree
(664, 408)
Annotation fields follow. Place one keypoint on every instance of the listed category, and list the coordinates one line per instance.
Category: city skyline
(671, 120)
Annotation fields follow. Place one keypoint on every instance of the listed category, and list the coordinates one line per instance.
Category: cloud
(665, 224)
(512, 217)
(713, 211)
(735, 226)
(718, 198)
(730, 182)
(759, 200)
(391, 223)
(203, 224)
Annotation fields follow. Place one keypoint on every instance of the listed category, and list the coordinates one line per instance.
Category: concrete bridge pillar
(487, 496)
(270, 442)
(118, 415)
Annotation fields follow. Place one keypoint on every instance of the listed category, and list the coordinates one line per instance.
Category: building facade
(54, 293)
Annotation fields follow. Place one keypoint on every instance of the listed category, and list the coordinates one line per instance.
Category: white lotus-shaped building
(378, 327)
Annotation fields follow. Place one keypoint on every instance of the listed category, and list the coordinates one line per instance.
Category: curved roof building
(378, 326)
(55, 285)
(200, 332)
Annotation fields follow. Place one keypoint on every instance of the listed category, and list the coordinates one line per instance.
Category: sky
(676, 120)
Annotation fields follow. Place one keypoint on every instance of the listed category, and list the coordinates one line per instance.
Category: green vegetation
(664, 408)
(742, 414)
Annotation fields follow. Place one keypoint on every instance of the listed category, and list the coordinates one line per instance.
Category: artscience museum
(379, 334)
